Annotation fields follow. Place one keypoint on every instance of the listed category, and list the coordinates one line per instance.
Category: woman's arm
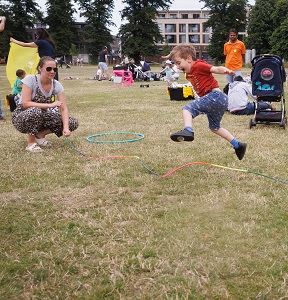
(27, 99)
(64, 113)
(32, 44)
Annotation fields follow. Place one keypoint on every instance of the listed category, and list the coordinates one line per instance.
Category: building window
(160, 27)
(170, 28)
(206, 38)
(196, 16)
(184, 16)
(206, 16)
(182, 27)
(194, 38)
(207, 30)
(193, 28)
(171, 39)
(173, 16)
(182, 38)
(161, 16)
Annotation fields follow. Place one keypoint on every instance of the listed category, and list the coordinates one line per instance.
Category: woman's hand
(55, 104)
(66, 132)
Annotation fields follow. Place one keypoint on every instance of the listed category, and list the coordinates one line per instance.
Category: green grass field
(90, 227)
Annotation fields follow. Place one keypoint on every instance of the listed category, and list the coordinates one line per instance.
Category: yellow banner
(24, 58)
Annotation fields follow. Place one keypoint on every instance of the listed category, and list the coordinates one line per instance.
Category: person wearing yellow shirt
(235, 54)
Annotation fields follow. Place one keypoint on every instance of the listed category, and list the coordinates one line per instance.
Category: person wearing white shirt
(238, 98)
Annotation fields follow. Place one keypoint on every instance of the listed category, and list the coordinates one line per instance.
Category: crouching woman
(42, 109)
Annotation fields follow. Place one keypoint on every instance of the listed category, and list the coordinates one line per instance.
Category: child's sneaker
(183, 135)
(240, 151)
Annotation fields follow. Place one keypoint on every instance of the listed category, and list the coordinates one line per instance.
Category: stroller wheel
(252, 123)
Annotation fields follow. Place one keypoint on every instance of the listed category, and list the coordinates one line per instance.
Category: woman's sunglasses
(49, 69)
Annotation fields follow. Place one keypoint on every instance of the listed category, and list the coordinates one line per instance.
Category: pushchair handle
(255, 58)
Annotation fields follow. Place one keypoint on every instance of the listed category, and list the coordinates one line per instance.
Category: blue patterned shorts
(214, 104)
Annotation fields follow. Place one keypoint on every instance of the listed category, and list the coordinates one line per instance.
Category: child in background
(171, 72)
(98, 73)
(17, 87)
(211, 101)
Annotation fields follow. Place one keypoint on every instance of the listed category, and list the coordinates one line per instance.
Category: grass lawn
(90, 227)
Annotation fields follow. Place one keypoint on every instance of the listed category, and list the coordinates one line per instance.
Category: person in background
(211, 101)
(103, 63)
(132, 67)
(235, 55)
(2, 27)
(98, 73)
(171, 72)
(46, 46)
(125, 61)
(39, 113)
(144, 66)
(17, 87)
(238, 101)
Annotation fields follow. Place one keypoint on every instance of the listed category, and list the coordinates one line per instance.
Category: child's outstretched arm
(221, 70)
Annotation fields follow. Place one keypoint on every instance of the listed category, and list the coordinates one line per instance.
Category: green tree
(224, 15)
(61, 24)
(260, 26)
(20, 15)
(73, 50)
(96, 33)
(279, 38)
(166, 48)
(140, 32)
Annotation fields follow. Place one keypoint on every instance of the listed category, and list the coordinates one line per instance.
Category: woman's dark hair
(42, 34)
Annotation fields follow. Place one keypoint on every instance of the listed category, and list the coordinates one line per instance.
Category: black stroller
(268, 76)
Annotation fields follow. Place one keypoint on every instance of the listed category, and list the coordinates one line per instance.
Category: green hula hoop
(92, 140)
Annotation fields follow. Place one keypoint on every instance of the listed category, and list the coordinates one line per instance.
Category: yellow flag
(24, 58)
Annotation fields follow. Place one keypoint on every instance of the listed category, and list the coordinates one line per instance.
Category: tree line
(267, 25)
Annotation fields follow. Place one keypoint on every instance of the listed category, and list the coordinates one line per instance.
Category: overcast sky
(177, 4)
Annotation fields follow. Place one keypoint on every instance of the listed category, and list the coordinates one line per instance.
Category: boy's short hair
(183, 50)
(234, 31)
(20, 72)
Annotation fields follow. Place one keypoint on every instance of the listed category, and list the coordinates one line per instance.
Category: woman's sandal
(34, 148)
(43, 142)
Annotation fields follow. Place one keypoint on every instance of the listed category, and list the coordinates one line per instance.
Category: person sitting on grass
(211, 101)
(238, 101)
(38, 112)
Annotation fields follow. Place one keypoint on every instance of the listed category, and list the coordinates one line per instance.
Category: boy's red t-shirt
(201, 78)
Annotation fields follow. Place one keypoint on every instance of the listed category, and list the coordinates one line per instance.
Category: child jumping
(211, 101)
